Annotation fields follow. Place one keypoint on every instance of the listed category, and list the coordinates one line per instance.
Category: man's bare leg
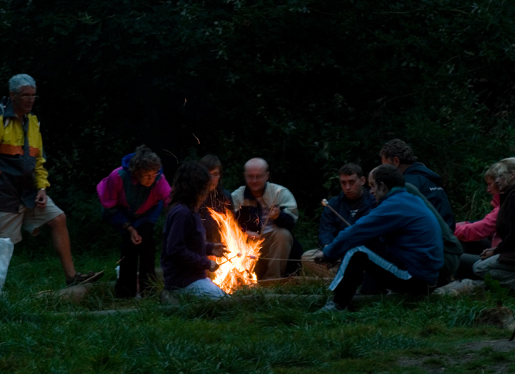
(61, 242)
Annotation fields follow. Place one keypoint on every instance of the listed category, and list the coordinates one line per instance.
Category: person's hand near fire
(253, 235)
(274, 213)
(219, 250)
(320, 259)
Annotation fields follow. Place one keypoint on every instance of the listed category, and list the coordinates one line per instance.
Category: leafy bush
(308, 85)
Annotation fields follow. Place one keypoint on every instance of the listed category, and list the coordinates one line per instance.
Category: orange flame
(243, 254)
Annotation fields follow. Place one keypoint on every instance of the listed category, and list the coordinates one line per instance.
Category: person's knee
(480, 269)
(58, 221)
(283, 236)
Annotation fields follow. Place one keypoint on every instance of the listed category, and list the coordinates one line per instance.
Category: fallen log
(296, 279)
(73, 293)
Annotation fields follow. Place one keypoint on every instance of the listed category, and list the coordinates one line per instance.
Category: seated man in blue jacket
(410, 232)
(353, 202)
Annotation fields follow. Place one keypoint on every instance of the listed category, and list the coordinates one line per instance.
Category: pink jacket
(472, 231)
(111, 192)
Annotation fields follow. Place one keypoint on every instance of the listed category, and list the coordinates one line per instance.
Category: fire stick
(326, 204)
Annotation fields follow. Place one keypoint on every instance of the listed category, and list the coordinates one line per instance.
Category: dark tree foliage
(308, 85)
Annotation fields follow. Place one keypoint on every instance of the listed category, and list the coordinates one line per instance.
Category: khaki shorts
(28, 219)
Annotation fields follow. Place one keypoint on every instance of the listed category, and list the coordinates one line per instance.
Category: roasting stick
(229, 259)
(326, 204)
(266, 258)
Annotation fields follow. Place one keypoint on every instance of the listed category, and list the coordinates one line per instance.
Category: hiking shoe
(330, 306)
(84, 278)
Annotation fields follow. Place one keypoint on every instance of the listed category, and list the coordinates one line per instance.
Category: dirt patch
(496, 345)
(434, 364)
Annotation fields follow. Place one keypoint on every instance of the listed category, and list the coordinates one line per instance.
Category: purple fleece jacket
(124, 200)
(183, 258)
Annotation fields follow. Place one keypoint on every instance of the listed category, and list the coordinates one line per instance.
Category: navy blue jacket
(430, 184)
(183, 258)
(407, 227)
(331, 225)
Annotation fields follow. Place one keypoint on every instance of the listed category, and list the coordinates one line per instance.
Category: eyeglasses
(251, 177)
(148, 175)
(28, 97)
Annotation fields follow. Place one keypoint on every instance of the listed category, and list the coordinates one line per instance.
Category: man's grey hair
(21, 80)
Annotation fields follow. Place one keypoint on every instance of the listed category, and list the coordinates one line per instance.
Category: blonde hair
(504, 167)
(491, 172)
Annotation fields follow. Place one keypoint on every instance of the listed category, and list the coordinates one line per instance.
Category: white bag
(6, 252)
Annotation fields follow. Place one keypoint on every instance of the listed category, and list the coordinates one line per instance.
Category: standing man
(353, 202)
(23, 179)
(398, 153)
(267, 211)
(410, 232)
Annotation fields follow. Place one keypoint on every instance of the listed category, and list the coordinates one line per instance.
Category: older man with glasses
(23, 178)
(267, 211)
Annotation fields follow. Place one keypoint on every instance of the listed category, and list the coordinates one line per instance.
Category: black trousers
(353, 276)
(144, 255)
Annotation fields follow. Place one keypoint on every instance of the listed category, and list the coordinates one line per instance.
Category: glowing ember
(237, 267)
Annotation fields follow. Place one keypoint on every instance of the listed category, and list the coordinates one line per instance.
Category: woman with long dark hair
(185, 250)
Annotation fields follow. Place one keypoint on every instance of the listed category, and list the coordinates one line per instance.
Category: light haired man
(23, 179)
(268, 211)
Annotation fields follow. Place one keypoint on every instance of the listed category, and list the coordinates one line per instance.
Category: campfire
(237, 267)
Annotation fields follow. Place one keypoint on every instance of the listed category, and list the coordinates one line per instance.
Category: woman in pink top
(132, 197)
(485, 228)
(478, 235)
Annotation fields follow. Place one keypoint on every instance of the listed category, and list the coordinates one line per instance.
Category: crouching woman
(185, 250)
(132, 198)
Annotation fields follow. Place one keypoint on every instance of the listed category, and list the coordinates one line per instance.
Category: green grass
(251, 335)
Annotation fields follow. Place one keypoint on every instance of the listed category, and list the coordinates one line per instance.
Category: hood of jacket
(421, 169)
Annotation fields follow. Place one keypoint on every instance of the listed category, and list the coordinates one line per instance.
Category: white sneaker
(330, 306)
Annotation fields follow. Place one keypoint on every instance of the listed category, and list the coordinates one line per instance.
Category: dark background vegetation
(307, 85)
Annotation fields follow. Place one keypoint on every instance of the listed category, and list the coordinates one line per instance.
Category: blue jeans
(204, 288)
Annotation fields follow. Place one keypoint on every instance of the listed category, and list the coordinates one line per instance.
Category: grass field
(248, 335)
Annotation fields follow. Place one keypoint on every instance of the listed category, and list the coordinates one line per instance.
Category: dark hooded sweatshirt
(430, 184)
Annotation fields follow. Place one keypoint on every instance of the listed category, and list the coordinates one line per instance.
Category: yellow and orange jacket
(21, 165)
